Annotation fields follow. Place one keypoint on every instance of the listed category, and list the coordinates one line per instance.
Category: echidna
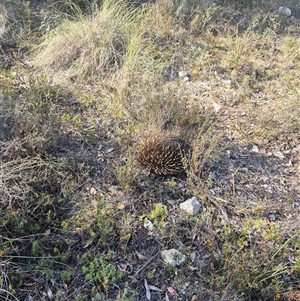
(162, 155)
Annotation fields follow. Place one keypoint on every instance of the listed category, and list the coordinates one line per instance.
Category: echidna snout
(162, 155)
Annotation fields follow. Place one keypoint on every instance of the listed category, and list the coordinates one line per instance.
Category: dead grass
(74, 199)
(87, 48)
(3, 20)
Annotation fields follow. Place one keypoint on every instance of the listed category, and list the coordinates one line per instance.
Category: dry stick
(8, 293)
(224, 214)
(148, 261)
(233, 183)
(215, 200)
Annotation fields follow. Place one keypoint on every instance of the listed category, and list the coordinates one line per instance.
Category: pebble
(172, 257)
(182, 74)
(273, 216)
(285, 11)
(217, 107)
(187, 78)
(93, 191)
(191, 206)
(148, 225)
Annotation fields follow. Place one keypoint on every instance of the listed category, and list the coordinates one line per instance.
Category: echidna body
(162, 155)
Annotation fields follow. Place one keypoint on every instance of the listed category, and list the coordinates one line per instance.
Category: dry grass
(74, 199)
(3, 20)
(87, 48)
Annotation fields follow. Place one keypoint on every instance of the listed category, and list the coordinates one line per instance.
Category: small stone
(285, 11)
(193, 256)
(191, 206)
(273, 216)
(187, 78)
(93, 191)
(148, 225)
(182, 74)
(172, 257)
(255, 149)
(217, 107)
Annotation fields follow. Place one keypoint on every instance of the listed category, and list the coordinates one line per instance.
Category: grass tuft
(88, 47)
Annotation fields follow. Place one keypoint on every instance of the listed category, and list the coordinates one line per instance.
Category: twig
(224, 214)
(148, 261)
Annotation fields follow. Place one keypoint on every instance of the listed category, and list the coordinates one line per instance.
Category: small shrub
(35, 248)
(101, 272)
(158, 215)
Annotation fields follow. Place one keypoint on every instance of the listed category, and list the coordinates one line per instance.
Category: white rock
(148, 225)
(187, 78)
(255, 149)
(93, 191)
(285, 11)
(191, 206)
(182, 74)
(193, 256)
(172, 257)
(217, 107)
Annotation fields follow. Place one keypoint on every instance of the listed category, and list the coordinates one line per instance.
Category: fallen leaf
(109, 150)
(148, 294)
(194, 298)
(172, 291)
(155, 288)
(47, 232)
(121, 206)
(141, 256)
(50, 294)
(29, 283)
